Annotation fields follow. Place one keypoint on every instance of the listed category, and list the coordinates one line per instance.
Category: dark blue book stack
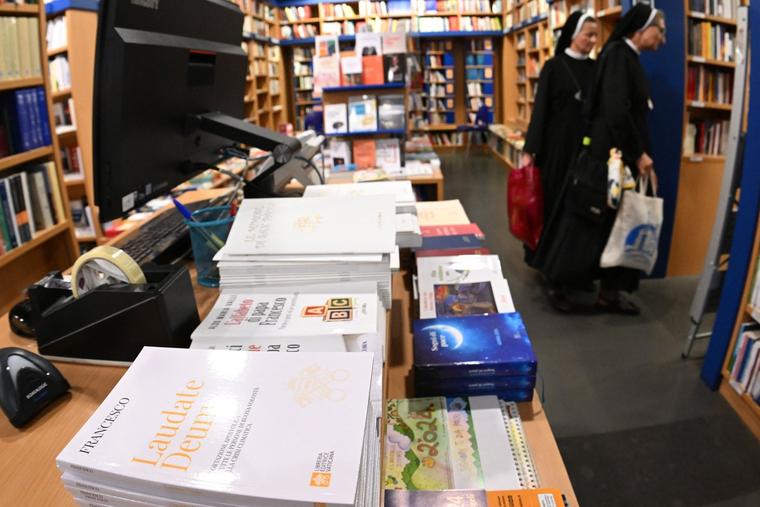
(476, 355)
(24, 119)
(479, 73)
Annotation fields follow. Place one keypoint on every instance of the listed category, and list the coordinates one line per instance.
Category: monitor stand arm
(282, 147)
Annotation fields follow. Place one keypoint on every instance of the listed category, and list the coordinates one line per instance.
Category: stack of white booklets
(408, 233)
(462, 285)
(317, 241)
(343, 318)
(221, 428)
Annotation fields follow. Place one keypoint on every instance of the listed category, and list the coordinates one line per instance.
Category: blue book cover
(448, 242)
(25, 119)
(47, 139)
(474, 346)
(516, 395)
(20, 119)
(30, 99)
(473, 385)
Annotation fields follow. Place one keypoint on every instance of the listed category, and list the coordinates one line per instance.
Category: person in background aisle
(619, 120)
(556, 125)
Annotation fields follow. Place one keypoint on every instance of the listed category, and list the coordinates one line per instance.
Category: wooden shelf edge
(11, 9)
(746, 409)
(38, 240)
(24, 156)
(14, 84)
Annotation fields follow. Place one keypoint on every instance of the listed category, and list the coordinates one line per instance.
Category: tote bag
(525, 205)
(635, 234)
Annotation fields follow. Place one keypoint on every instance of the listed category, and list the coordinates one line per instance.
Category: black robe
(621, 109)
(573, 244)
(556, 126)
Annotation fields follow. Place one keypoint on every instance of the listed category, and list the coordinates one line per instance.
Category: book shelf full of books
(36, 234)
(308, 20)
(265, 98)
(741, 368)
(710, 29)
(71, 34)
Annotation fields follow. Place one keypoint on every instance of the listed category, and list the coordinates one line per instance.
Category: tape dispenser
(111, 308)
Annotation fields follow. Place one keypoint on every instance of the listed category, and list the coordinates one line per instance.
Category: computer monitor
(169, 91)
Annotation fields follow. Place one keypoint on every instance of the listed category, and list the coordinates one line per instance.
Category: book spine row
(30, 201)
(721, 8)
(480, 81)
(24, 122)
(744, 365)
(709, 85)
(57, 36)
(20, 56)
(713, 41)
(707, 137)
(60, 74)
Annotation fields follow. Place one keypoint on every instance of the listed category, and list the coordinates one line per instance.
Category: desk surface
(28, 474)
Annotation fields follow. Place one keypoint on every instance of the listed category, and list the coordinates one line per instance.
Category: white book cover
(369, 44)
(241, 313)
(336, 119)
(388, 153)
(340, 156)
(362, 113)
(402, 191)
(220, 426)
(330, 225)
(441, 213)
(462, 285)
(394, 42)
(326, 343)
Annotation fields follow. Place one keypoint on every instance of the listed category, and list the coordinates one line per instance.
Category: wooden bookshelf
(81, 27)
(264, 99)
(53, 248)
(701, 171)
(747, 409)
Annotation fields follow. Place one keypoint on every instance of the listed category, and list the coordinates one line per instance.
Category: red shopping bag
(525, 204)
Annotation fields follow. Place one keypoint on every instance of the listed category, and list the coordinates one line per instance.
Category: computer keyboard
(160, 235)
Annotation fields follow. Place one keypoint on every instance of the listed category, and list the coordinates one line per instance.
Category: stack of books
(213, 428)
(475, 355)
(439, 444)
(408, 234)
(341, 318)
(316, 241)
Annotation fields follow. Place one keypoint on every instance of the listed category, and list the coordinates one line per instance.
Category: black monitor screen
(157, 61)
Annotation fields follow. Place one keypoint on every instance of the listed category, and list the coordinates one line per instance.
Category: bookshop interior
(507, 250)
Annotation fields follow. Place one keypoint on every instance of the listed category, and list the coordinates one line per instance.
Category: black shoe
(560, 301)
(619, 305)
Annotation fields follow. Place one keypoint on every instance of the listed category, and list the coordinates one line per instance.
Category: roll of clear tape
(104, 265)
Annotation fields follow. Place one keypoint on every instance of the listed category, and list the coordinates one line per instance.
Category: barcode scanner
(28, 383)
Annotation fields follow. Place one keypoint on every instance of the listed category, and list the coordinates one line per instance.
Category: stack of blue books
(475, 355)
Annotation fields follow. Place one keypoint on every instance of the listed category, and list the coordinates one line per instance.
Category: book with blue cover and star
(473, 347)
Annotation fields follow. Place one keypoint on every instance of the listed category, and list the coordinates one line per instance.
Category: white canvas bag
(635, 235)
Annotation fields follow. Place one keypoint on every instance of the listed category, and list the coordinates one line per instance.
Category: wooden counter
(27, 457)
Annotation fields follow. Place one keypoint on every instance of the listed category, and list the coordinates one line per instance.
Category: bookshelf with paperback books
(71, 34)
(527, 45)
(710, 30)
(740, 384)
(302, 78)
(36, 229)
(265, 100)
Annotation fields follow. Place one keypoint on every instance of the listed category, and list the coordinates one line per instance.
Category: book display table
(27, 456)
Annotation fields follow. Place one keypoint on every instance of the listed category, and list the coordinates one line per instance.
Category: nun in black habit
(556, 125)
(620, 108)
(617, 104)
